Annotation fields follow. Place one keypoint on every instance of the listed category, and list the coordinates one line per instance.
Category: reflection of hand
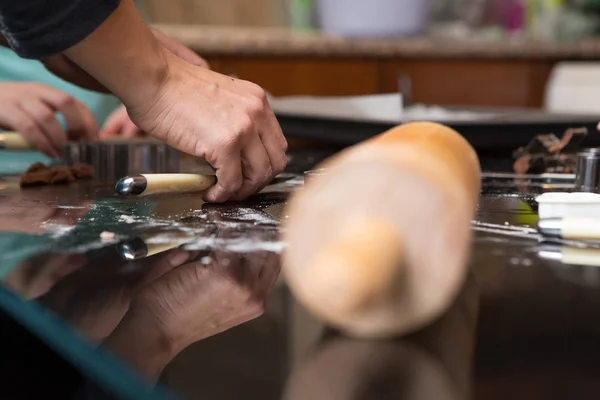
(30, 108)
(36, 276)
(29, 213)
(191, 303)
(96, 296)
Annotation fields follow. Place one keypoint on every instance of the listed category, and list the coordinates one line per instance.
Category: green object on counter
(301, 14)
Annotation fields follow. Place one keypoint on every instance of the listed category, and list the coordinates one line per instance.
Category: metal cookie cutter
(587, 178)
(114, 159)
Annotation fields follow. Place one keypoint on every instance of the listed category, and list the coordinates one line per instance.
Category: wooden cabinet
(448, 82)
(294, 76)
(470, 82)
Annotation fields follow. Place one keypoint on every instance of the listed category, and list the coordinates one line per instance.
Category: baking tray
(499, 135)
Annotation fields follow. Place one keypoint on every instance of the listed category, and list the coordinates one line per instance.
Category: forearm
(123, 54)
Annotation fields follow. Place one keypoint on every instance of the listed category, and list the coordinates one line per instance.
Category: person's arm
(225, 120)
(202, 113)
(124, 55)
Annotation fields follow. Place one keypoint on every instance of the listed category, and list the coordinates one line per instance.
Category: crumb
(107, 236)
(83, 171)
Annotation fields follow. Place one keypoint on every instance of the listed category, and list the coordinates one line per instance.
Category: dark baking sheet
(498, 135)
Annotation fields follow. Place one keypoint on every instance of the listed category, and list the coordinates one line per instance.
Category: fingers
(90, 131)
(274, 141)
(226, 159)
(130, 129)
(119, 123)
(257, 170)
(112, 125)
(45, 119)
(77, 117)
(21, 122)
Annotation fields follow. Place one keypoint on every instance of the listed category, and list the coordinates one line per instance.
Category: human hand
(118, 123)
(30, 108)
(203, 298)
(227, 121)
(96, 296)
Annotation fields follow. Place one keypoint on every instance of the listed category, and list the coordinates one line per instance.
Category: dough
(83, 171)
(39, 174)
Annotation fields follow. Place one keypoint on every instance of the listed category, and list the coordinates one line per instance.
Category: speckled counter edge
(274, 42)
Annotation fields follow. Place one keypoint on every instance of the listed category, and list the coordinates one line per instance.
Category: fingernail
(178, 258)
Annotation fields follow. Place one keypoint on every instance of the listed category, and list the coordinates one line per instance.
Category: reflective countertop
(189, 296)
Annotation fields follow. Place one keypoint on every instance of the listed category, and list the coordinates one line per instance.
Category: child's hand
(118, 123)
(30, 109)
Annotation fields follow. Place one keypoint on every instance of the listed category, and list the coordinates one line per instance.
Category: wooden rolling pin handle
(13, 141)
(358, 266)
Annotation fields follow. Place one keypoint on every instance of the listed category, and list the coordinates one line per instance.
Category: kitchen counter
(187, 297)
(266, 42)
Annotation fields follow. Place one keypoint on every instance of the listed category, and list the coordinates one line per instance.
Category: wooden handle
(14, 141)
(390, 217)
(150, 184)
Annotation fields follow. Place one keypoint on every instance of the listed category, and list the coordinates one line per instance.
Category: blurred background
(465, 53)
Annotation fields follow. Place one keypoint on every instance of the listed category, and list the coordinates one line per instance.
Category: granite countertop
(227, 41)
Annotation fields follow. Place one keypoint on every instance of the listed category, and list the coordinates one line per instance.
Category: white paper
(372, 108)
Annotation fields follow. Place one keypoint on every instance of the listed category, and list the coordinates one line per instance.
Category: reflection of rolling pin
(13, 141)
(148, 245)
(435, 363)
(379, 244)
(147, 184)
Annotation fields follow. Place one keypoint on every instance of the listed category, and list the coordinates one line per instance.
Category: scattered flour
(56, 230)
(206, 260)
(251, 215)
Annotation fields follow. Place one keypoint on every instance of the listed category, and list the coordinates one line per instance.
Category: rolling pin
(13, 141)
(148, 184)
(378, 245)
(10, 140)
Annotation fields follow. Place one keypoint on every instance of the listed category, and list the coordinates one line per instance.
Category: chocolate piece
(61, 176)
(38, 166)
(83, 171)
(48, 176)
(36, 178)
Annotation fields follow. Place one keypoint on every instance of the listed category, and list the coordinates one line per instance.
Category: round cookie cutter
(116, 158)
